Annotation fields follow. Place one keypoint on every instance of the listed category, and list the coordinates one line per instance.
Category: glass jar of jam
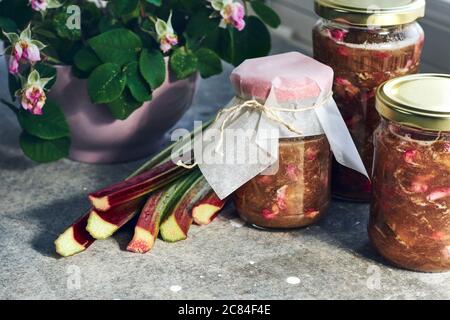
(366, 43)
(410, 212)
(298, 194)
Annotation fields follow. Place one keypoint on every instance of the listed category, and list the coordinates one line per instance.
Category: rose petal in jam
(438, 194)
(338, 34)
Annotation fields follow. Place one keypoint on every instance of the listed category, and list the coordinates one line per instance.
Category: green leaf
(202, 30)
(123, 7)
(44, 151)
(7, 25)
(118, 46)
(106, 83)
(47, 71)
(107, 23)
(153, 67)
(184, 63)
(124, 106)
(252, 42)
(209, 63)
(50, 125)
(136, 83)
(267, 14)
(86, 60)
(60, 25)
(155, 2)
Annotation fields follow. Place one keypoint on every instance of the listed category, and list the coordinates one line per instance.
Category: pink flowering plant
(121, 47)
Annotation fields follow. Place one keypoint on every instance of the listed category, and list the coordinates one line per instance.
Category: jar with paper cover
(292, 94)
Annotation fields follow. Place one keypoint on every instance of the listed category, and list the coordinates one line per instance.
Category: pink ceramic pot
(99, 138)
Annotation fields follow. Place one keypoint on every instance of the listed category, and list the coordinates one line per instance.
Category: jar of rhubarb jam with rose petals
(410, 213)
(298, 192)
(366, 43)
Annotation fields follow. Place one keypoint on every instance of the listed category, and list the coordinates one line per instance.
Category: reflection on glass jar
(364, 53)
(298, 194)
(410, 213)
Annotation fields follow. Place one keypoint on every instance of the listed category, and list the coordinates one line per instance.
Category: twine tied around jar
(270, 112)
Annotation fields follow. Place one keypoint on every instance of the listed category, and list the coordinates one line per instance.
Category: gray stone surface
(226, 260)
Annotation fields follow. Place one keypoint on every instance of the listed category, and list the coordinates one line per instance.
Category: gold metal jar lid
(371, 12)
(420, 101)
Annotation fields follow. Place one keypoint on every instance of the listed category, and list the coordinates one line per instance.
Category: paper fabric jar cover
(281, 96)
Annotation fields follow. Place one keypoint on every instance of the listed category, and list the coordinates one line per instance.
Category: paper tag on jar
(242, 154)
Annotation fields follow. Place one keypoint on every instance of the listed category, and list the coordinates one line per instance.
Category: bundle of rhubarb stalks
(168, 197)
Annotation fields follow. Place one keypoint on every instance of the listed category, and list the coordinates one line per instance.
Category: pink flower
(17, 51)
(233, 13)
(167, 42)
(237, 16)
(32, 94)
(31, 52)
(33, 99)
(166, 34)
(38, 5)
(23, 49)
(13, 65)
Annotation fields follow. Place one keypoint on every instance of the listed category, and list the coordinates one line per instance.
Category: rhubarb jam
(364, 52)
(410, 212)
(298, 194)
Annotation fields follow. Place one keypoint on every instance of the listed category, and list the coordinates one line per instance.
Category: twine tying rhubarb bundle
(270, 112)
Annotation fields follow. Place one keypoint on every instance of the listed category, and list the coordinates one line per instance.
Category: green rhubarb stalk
(158, 205)
(176, 225)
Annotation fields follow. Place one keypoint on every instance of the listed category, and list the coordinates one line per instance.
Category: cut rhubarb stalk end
(207, 209)
(147, 227)
(102, 225)
(142, 242)
(176, 226)
(171, 231)
(75, 239)
(99, 228)
(136, 187)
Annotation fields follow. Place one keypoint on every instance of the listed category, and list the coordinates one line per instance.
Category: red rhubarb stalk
(75, 239)
(207, 209)
(147, 227)
(136, 187)
(175, 226)
(102, 225)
